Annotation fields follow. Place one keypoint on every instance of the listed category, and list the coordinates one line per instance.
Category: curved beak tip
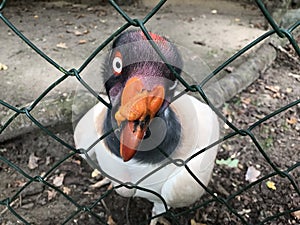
(127, 153)
(130, 139)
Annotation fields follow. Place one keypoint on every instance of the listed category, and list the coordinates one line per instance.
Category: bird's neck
(170, 129)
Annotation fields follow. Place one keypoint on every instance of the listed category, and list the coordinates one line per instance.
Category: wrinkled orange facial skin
(136, 104)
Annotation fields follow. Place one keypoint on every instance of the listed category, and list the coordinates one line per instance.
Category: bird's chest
(150, 176)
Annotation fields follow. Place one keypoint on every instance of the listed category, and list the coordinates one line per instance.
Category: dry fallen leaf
(33, 161)
(193, 222)
(246, 101)
(229, 69)
(19, 183)
(3, 66)
(289, 90)
(271, 185)
(62, 45)
(252, 91)
(66, 190)
(79, 33)
(95, 173)
(252, 174)
(296, 214)
(77, 162)
(48, 160)
(58, 180)
(274, 89)
(82, 41)
(43, 174)
(110, 221)
(244, 211)
(51, 194)
(100, 183)
(293, 120)
(296, 76)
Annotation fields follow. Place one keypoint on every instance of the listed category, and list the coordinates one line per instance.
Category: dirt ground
(69, 33)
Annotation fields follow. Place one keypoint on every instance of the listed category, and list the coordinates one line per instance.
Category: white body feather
(200, 128)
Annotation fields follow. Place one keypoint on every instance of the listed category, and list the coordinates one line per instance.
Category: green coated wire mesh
(225, 202)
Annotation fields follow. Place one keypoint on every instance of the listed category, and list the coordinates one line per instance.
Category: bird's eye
(117, 63)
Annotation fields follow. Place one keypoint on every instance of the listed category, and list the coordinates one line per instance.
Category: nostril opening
(135, 124)
(147, 133)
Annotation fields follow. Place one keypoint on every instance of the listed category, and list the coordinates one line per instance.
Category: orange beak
(138, 107)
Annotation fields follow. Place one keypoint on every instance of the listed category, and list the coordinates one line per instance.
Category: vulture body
(148, 136)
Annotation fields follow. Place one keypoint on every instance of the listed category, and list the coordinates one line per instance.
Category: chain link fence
(225, 202)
